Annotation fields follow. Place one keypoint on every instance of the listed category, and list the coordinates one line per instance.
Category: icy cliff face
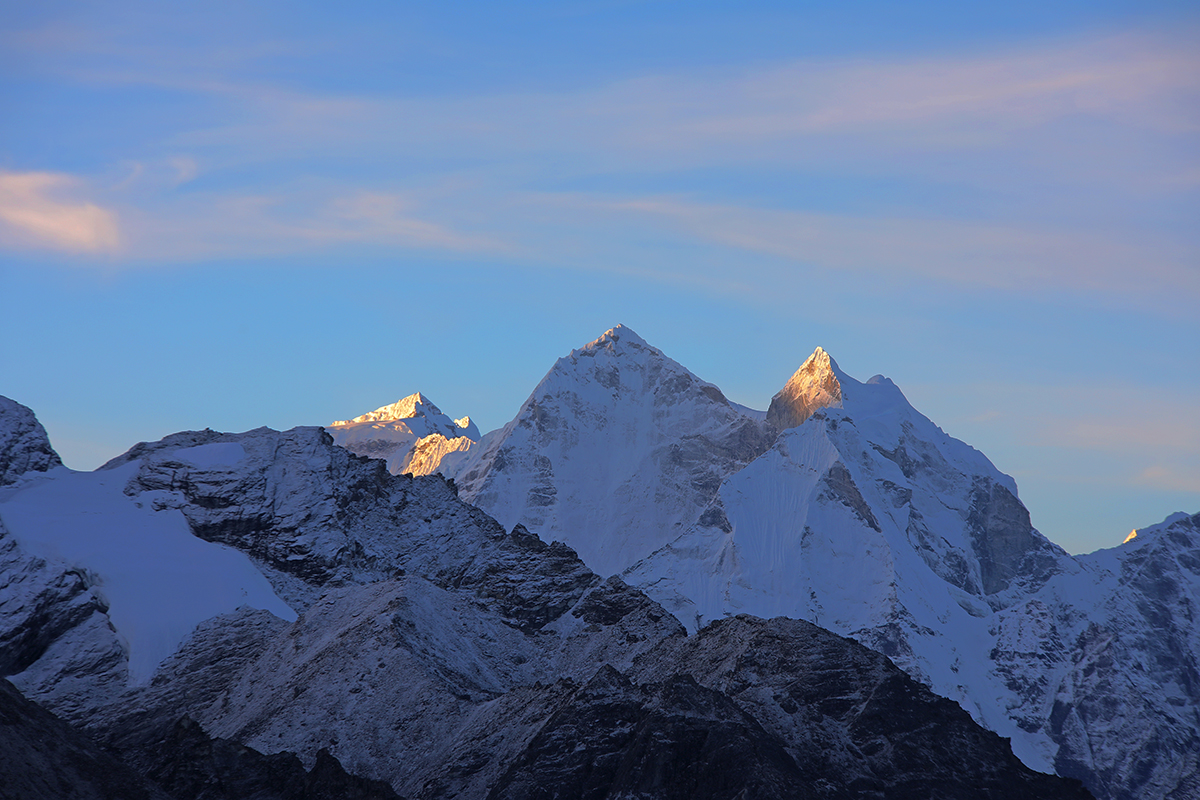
(24, 446)
(412, 435)
(617, 451)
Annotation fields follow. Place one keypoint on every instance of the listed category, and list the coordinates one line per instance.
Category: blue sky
(231, 216)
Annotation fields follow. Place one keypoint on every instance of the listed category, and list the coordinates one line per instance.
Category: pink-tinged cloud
(39, 210)
(1133, 79)
(1170, 478)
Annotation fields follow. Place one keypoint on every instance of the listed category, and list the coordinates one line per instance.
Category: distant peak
(415, 405)
(812, 387)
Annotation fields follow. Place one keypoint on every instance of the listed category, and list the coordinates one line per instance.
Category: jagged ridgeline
(269, 614)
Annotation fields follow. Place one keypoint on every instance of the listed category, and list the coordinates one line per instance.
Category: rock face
(191, 764)
(671, 740)
(416, 640)
(615, 453)
(869, 520)
(24, 446)
(813, 387)
(844, 710)
(55, 631)
(46, 757)
(1125, 690)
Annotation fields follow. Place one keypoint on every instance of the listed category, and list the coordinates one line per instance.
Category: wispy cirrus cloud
(857, 110)
(1133, 78)
(1027, 104)
(1013, 257)
(45, 210)
(297, 221)
(1096, 119)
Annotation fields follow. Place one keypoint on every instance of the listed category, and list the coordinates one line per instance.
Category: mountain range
(635, 588)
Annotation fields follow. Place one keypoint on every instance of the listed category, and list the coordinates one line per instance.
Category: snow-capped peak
(415, 405)
(412, 435)
(814, 386)
(615, 453)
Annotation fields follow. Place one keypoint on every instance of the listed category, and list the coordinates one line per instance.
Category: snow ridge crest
(618, 338)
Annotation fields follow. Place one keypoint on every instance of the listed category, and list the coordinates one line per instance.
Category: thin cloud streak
(203, 226)
(1104, 416)
(865, 117)
(1011, 258)
(1132, 79)
(39, 210)
(795, 114)
(1170, 479)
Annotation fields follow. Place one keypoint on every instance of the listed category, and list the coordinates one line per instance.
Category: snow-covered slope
(137, 569)
(412, 435)
(157, 580)
(868, 519)
(617, 451)
(847, 507)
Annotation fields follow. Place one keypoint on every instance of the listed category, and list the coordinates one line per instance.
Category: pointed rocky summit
(814, 386)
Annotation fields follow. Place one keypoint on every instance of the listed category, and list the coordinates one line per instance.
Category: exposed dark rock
(205, 665)
(851, 720)
(613, 601)
(1003, 535)
(39, 602)
(672, 740)
(1163, 760)
(839, 485)
(191, 765)
(715, 517)
(44, 758)
(311, 510)
(24, 446)
(533, 582)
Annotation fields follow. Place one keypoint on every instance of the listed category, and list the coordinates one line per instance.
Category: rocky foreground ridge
(433, 653)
